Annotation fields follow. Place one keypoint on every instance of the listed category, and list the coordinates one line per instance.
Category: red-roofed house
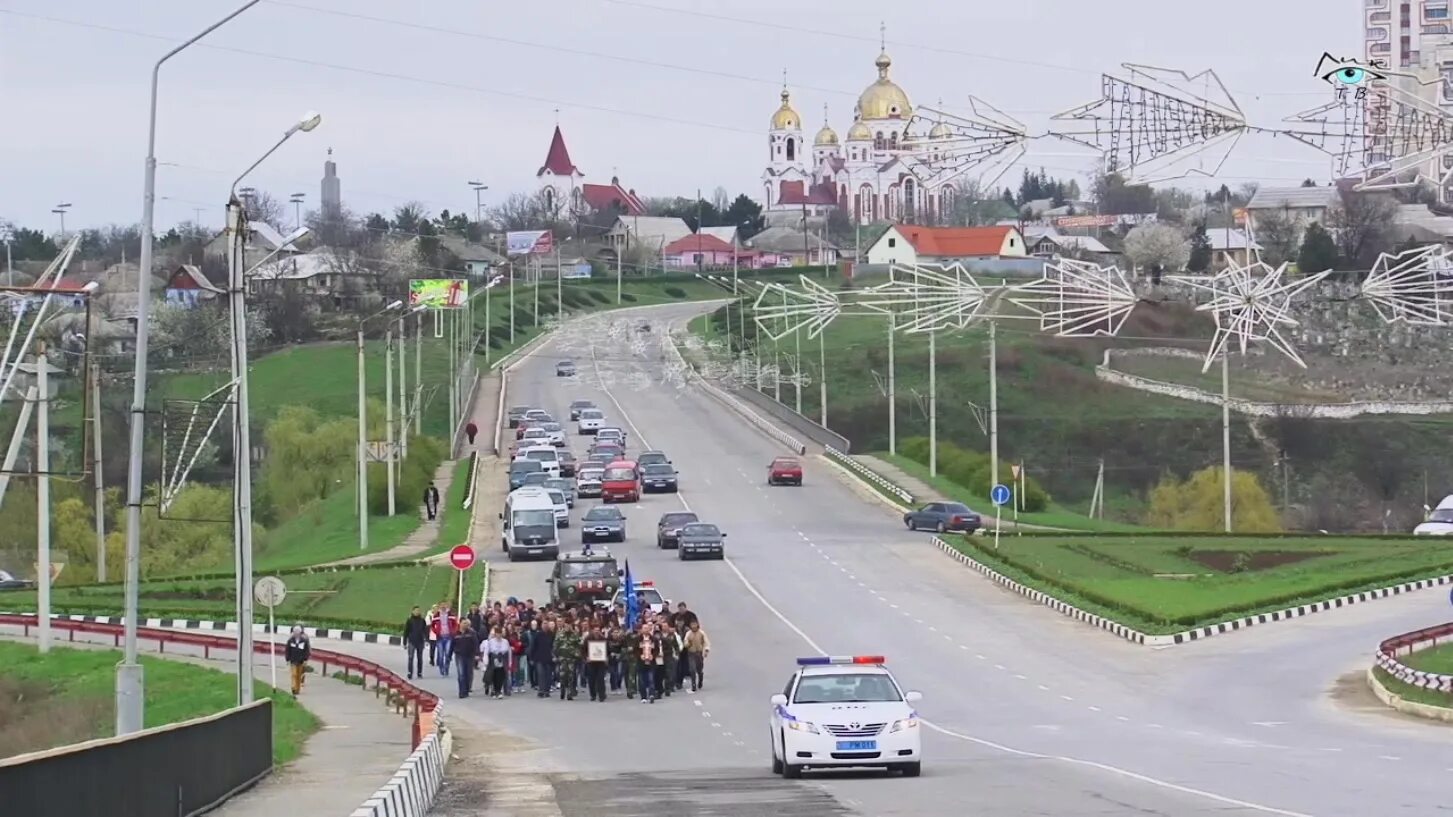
(698, 250)
(911, 244)
(566, 195)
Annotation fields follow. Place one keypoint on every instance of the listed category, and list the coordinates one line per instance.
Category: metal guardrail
(738, 406)
(1407, 643)
(865, 473)
(473, 481)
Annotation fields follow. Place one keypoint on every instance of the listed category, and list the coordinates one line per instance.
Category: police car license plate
(857, 745)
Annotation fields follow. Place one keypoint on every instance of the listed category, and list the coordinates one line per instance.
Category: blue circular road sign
(1000, 494)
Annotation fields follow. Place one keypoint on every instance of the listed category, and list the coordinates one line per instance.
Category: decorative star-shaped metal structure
(1415, 286)
(781, 310)
(1155, 124)
(950, 145)
(1250, 302)
(1078, 299)
(927, 298)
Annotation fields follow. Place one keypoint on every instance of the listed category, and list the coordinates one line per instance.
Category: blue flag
(633, 604)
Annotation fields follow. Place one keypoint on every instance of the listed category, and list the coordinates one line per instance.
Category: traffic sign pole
(999, 495)
(462, 558)
(270, 592)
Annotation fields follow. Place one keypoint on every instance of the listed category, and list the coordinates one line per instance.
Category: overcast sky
(672, 94)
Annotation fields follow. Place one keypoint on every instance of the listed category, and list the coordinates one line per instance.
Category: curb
(1186, 636)
(1397, 702)
(353, 636)
(863, 472)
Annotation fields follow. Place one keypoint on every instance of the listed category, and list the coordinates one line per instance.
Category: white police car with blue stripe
(840, 711)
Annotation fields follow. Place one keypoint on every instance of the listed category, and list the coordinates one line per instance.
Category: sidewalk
(358, 747)
(426, 535)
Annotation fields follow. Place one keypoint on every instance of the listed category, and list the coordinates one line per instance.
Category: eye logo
(1346, 73)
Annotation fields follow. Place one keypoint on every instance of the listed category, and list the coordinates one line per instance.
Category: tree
(1008, 197)
(260, 205)
(376, 224)
(1157, 245)
(1308, 183)
(520, 211)
(1363, 225)
(1319, 250)
(746, 214)
(409, 216)
(1198, 503)
(1114, 196)
(1278, 236)
(1200, 257)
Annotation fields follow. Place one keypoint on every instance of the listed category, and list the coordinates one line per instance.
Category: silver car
(564, 486)
(587, 483)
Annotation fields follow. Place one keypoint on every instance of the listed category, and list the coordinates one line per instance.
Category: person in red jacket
(445, 626)
(471, 430)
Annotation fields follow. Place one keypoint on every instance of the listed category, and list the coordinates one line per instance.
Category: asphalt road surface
(1028, 713)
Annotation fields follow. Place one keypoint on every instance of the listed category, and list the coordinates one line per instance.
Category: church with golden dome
(873, 174)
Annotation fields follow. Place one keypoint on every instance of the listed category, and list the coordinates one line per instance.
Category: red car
(621, 482)
(785, 471)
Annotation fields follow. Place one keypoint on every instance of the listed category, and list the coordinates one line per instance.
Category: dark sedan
(517, 413)
(603, 523)
(578, 406)
(567, 463)
(943, 517)
(659, 477)
(700, 539)
(9, 582)
(519, 469)
(670, 527)
(646, 458)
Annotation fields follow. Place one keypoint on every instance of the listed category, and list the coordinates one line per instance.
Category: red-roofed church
(567, 195)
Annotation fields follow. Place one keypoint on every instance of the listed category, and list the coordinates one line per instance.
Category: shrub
(970, 469)
(675, 292)
(1199, 503)
(628, 297)
(598, 296)
(417, 471)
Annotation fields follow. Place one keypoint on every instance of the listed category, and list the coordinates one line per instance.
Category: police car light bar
(825, 660)
(645, 584)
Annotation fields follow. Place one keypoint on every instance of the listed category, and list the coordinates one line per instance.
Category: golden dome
(884, 99)
(939, 131)
(826, 137)
(786, 118)
(859, 132)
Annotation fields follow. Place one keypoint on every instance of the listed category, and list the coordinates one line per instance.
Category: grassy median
(1160, 583)
(68, 695)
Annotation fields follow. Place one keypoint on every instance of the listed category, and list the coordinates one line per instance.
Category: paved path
(357, 748)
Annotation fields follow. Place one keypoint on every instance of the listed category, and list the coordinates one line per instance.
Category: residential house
(1050, 244)
(1230, 247)
(188, 287)
(794, 248)
(262, 240)
(479, 261)
(651, 232)
(323, 274)
(699, 251)
(728, 233)
(909, 244)
(1298, 205)
(1421, 225)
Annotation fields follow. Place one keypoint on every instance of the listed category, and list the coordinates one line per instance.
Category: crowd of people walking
(563, 649)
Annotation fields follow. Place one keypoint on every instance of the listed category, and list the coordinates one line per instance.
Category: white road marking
(717, 725)
(1066, 698)
(1043, 688)
(1019, 677)
(999, 667)
(1268, 723)
(1122, 718)
(1095, 709)
(1114, 770)
(1388, 757)
(698, 703)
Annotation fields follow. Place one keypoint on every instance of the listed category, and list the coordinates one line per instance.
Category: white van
(1439, 521)
(590, 420)
(547, 455)
(527, 525)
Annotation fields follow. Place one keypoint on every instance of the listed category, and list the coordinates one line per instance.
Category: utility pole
(822, 372)
(933, 404)
(619, 253)
(388, 413)
(797, 366)
(453, 376)
(993, 402)
(512, 299)
(42, 496)
(96, 477)
(403, 426)
(419, 373)
(242, 447)
(559, 287)
(1226, 437)
(892, 389)
(488, 325)
(362, 450)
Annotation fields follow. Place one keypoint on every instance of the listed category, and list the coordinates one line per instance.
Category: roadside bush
(306, 456)
(1199, 504)
(970, 469)
(628, 297)
(675, 292)
(417, 471)
(597, 296)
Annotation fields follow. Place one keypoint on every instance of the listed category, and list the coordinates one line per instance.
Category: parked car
(9, 581)
(943, 517)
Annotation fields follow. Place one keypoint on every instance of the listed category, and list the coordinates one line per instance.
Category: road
(1028, 713)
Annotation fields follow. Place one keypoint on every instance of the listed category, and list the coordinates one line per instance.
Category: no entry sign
(462, 557)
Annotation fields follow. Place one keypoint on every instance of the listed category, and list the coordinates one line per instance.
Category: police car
(844, 711)
(647, 595)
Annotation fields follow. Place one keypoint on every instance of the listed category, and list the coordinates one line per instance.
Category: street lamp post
(388, 412)
(42, 495)
(478, 188)
(242, 418)
(363, 429)
(297, 200)
(60, 210)
(129, 679)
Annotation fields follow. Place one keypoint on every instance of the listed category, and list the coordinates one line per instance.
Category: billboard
(1121, 220)
(438, 293)
(575, 271)
(529, 242)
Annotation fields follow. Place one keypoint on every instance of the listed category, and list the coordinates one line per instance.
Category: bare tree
(520, 211)
(1363, 225)
(1278, 236)
(1157, 246)
(263, 206)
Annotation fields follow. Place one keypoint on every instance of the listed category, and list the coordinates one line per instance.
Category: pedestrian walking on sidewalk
(297, 653)
(466, 650)
(470, 430)
(431, 501)
(416, 633)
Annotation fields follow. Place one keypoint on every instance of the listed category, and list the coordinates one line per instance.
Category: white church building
(870, 174)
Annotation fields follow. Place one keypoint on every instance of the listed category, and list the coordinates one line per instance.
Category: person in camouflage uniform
(666, 674)
(567, 658)
(631, 658)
